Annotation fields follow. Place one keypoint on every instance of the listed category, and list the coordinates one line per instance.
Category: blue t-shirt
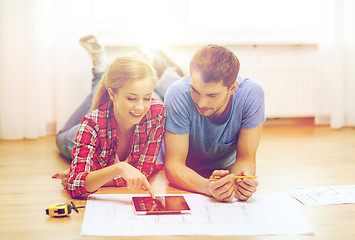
(213, 146)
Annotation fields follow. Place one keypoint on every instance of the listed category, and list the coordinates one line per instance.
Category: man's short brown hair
(216, 63)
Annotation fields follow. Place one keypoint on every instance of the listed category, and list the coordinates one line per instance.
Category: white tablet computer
(161, 205)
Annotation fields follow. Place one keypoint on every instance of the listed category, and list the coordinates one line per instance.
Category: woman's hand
(64, 176)
(223, 188)
(134, 178)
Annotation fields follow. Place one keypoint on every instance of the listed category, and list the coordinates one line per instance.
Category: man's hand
(245, 187)
(223, 188)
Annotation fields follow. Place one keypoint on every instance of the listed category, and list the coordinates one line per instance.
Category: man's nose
(202, 102)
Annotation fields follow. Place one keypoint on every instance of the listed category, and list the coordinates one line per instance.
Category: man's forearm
(244, 163)
(186, 178)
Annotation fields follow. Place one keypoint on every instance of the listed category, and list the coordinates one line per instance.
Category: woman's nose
(139, 106)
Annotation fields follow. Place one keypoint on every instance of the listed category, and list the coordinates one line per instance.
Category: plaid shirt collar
(113, 124)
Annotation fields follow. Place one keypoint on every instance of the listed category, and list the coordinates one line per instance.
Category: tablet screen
(161, 205)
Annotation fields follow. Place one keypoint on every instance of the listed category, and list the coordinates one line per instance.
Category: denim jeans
(66, 136)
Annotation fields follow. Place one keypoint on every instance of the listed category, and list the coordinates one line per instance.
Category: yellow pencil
(235, 177)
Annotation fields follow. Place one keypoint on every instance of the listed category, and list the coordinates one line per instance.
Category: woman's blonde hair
(118, 73)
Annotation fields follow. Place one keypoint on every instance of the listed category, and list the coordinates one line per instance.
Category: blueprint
(113, 215)
(324, 194)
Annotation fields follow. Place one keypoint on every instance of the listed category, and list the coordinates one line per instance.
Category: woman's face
(132, 102)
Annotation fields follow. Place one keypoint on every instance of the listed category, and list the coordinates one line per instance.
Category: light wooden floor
(306, 155)
(288, 156)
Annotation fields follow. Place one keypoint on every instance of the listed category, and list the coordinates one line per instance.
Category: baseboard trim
(294, 121)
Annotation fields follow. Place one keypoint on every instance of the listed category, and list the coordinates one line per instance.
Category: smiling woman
(117, 142)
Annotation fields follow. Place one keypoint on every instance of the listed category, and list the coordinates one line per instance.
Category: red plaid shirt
(96, 145)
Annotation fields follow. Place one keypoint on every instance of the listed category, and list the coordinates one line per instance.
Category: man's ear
(111, 94)
(233, 88)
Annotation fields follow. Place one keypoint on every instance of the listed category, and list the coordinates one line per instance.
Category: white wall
(304, 61)
(288, 73)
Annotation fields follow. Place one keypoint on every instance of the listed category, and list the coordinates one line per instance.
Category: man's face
(210, 99)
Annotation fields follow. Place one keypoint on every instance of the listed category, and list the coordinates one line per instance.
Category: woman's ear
(233, 88)
(111, 94)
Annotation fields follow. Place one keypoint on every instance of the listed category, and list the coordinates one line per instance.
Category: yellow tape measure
(61, 209)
